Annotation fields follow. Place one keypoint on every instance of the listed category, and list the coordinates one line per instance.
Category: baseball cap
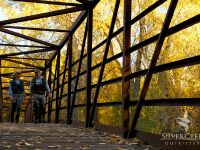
(36, 70)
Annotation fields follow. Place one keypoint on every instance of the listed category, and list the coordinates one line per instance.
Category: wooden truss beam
(27, 37)
(37, 29)
(20, 45)
(27, 52)
(42, 15)
(15, 67)
(23, 63)
(51, 2)
(27, 58)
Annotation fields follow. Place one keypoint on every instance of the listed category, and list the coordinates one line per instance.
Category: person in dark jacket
(38, 88)
(17, 94)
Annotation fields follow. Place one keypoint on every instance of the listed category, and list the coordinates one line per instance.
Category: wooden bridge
(77, 104)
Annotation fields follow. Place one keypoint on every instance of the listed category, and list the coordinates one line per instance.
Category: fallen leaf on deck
(27, 144)
(58, 146)
(17, 144)
(38, 142)
(102, 143)
(85, 148)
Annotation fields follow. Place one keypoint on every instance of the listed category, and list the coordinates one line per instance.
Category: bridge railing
(65, 82)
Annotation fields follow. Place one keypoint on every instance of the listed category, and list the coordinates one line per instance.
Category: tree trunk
(138, 62)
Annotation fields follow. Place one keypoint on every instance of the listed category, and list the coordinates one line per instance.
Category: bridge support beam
(89, 65)
(57, 88)
(1, 96)
(78, 74)
(49, 99)
(69, 79)
(126, 68)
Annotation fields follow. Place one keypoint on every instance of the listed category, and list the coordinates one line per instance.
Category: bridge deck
(56, 136)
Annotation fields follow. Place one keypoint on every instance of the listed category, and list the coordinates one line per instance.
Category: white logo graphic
(182, 139)
(184, 122)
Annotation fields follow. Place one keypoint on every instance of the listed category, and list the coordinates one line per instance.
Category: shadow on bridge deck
(57, 136)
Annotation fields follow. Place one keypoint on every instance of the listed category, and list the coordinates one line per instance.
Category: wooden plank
(108, 129)
(55, 136)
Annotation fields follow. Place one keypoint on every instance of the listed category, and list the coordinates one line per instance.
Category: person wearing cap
(38, 88)
(17, 94)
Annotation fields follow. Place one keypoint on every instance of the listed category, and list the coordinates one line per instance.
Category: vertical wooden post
(126, 68)
(89, 62)
(49, 99)
(57, 88)
(52, 94)
(69, 79)
(1, 96)
(63, 79)
(78, 72)
(45, 76)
